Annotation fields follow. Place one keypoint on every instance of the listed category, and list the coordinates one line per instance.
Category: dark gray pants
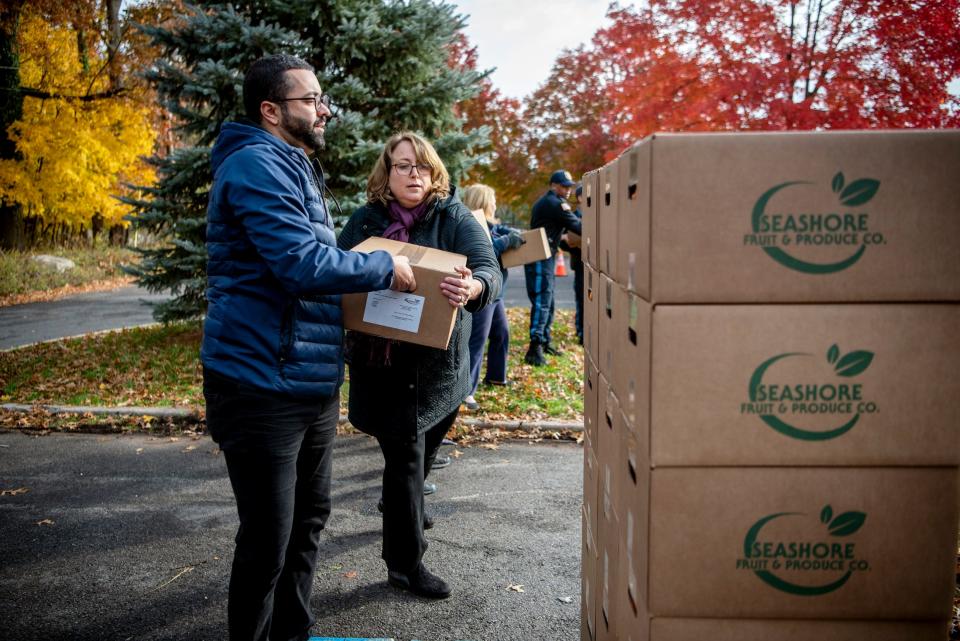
(406, 464)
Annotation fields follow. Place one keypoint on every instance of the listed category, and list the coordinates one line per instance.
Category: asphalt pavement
(131, 537)
(81, 314)
(133, 306)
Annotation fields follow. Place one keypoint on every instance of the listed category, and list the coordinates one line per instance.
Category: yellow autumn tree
(80, 143)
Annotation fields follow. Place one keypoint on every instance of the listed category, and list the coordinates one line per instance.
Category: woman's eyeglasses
(406, 169)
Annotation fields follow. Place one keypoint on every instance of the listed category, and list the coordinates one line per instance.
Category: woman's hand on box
(463, 289)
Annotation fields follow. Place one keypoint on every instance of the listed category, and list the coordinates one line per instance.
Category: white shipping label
(399, 310)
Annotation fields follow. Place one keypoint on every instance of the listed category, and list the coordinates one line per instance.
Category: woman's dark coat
(419, 385)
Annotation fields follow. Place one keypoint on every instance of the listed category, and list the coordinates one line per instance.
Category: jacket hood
(237, 135)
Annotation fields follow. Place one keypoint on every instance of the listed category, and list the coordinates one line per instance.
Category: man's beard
(304, 131)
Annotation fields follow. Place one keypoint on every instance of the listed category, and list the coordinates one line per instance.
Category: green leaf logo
(837, 182)
(847, 523)
(853, 363)
(859, 192)
(833, 354)
(826, 514)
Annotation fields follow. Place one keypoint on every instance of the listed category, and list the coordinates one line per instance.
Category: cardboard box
(609, 445)
(632, 344)
(591, 312)
(633, 243)
(574, 240)
(642, 627)
(588, 583)
(854, 216)
(787, 630)
(794, 384)
(424, 317)
(534, 248)
(607, 215)
(591, 384)
(589, 207)
(634, 513)
(608, 577)
(803, 543)
(482, 219)
(611, 305)
(591, 485)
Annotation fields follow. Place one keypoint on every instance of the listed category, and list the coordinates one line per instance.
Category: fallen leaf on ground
(45, 522)
(139, 450)
(565, 599)
(515, 587)
(189, 448)
(352, 574)
(456, 453)
(490, 446)
(19, 490)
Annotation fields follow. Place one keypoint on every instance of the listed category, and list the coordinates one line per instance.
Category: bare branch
(90, 97)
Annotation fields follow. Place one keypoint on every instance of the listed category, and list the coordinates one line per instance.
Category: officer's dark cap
(561, 177)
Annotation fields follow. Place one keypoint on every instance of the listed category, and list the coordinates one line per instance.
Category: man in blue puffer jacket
(272, 343)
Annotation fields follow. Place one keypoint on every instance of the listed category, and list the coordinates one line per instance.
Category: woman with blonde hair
(491, 321)
(406, 395)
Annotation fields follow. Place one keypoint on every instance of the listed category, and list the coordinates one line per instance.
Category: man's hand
(403, 280)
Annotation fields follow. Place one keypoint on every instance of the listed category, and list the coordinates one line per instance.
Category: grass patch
(551, 392)
(20, 275)
(152, 366)
(160, 367)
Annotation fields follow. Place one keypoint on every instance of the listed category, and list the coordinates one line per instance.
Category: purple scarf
(403, 220)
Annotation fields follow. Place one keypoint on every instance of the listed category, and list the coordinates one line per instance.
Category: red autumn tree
(682, 65)
(566, 116)
(505, 165)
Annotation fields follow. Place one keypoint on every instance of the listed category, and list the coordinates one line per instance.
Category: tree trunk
(12, 232)
(113, 45)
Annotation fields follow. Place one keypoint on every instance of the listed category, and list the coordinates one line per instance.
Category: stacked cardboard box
(772, 387)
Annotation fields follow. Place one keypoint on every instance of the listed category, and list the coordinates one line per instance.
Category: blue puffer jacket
(274, 273)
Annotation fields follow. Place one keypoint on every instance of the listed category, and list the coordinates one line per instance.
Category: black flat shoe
(421, 582)
(440, 462)
(427, 519)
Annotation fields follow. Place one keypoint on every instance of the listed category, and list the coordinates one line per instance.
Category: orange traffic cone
(561, 268)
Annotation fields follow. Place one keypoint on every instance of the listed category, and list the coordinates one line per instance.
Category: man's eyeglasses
(406, 169)
(323, 99)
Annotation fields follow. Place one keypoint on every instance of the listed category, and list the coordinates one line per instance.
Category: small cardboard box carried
(535, 247)
(423, 317)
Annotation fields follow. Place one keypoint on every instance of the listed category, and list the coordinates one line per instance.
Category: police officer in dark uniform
(576, 264)
(554, 214)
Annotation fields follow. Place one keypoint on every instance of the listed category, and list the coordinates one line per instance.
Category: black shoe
(440, 462)
(421, 582)
(429, 488)
(427, 519)
(506, 383)
(550, 349)
(535, 356)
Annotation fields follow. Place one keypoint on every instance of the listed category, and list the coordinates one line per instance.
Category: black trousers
(278, 452)
(406, 465)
